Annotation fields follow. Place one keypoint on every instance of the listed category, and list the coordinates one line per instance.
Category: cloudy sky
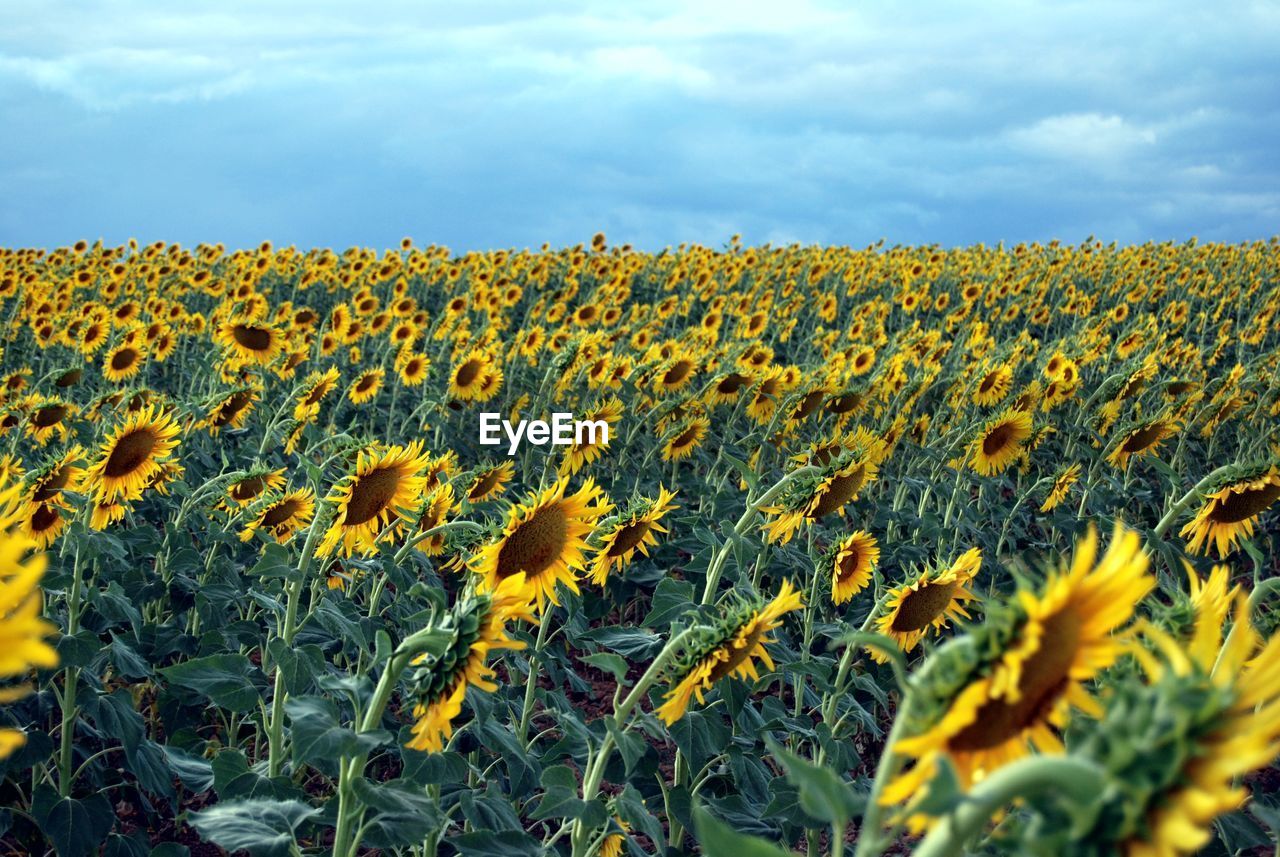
(496, 124)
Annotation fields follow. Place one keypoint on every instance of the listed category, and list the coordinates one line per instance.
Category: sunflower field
(882, 551)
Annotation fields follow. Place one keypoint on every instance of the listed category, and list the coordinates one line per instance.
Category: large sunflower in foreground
(1177, 743)
(935, 598)
(852, 563)
(479, 624)
(1017, 700)
(1230, 512)
(545, 538)
(1000, 442)
(621, 537)
(22, 629)
(731, 648)
(134, 452)
(383, 491)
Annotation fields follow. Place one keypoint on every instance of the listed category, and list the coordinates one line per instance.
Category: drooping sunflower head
(634, 530)
(1000, 442)
(545, 539)
(478, 624)
(1141, 439)
(318, 386)
(132, 454)
(1176, 742)
(489, 481)
(253, 485)
(808, 500)
(435, 510)
(381, 492)
(60, 473)
(733, 646)
(852, 562)
(280, 516)
(1232, 508)
(1063, 481)
(936, 597)
(1032, 662)
(50, 417)
(685, 438)
(231, 410)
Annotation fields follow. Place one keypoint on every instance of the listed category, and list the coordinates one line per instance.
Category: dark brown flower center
(372, 495)
(1242, 505)
(535, 543)
(252, 337)
(921, 607)
(628, 536)
(1043, 680)
(130, 452)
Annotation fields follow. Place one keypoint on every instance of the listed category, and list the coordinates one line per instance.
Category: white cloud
(1084, 137)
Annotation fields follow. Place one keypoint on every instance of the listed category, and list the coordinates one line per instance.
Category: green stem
(1078, 779)
(531, 682)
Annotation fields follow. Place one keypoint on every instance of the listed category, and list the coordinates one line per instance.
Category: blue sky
(508, 124)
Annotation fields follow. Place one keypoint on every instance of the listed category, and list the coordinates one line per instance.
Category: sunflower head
(1232, 506)
(732, 646)
(634, 530)
(133, 453)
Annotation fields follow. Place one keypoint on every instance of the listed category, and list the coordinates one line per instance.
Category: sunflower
(579, 455)
(732, 648)
(1178, 741)
(366, 386)
(250, 341)
(1014, 702)
(60, 473)
(475, 378)
(1000, 442)
(479, 624)
(685, 439)
(42, 523)
(382, 492)
(232, 410)
(1229, 513)
(22, 629)
(619, 539)
(1142, 439)
(812, 500)
(122, 363)
(282, 516)
(254, 485)
(48, 418)
(318, 386)
(134, 452)
(435, 507)
(1062, 483)
(852, 563)
(935, 598)
(488, 482)
(993, 387)
(545, 537)
(412, 367)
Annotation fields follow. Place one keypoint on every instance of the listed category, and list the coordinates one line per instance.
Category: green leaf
(720, 840)
(75, 826)
(299, 666)
(264, 828)
(615, 665)
(943, 793)
(823, 793)
(275, 562)
(489, 843)
(628, 642)
(229, 680)
(233, 778)
(671, 599)
(319, 739)
(398, 814)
